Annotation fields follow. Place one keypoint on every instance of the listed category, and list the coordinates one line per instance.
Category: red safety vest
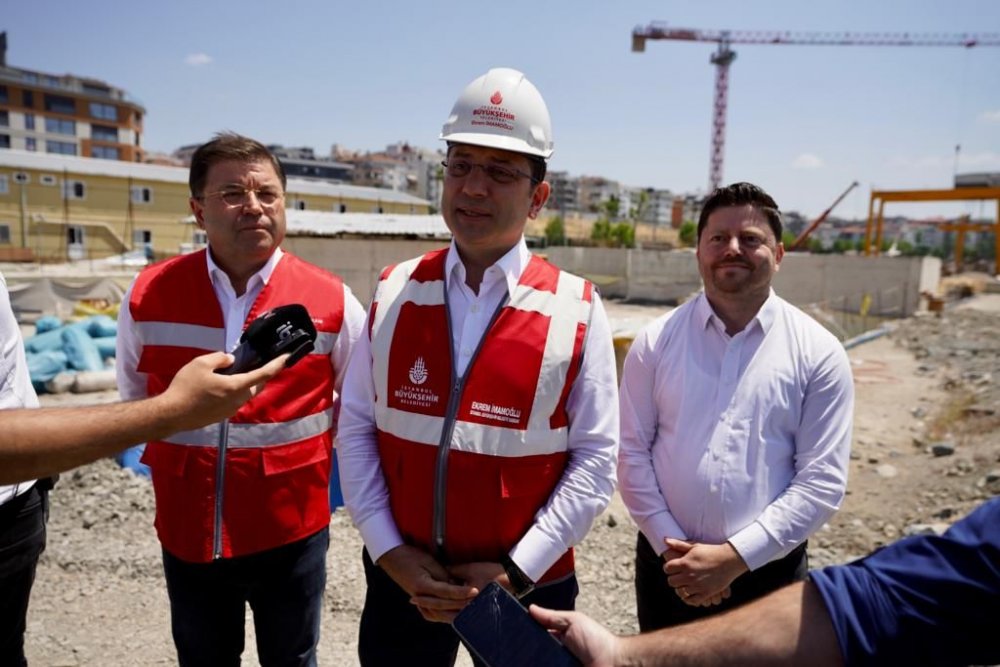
(275, 479)
(470, 462)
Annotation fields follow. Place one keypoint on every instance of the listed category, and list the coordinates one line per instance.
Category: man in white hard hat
(479, 427)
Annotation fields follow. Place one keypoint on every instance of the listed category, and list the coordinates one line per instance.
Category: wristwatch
(519, 581)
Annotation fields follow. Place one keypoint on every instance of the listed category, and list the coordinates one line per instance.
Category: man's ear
(538, 198)
(198, 209)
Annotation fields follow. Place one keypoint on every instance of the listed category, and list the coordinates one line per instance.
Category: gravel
(99, 597)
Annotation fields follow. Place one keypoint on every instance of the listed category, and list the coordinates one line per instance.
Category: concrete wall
(664, 276)
(606, 267)
(357, 261)
(893, 284)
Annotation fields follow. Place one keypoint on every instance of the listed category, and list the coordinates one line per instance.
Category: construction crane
(724, 57)
(799, 242)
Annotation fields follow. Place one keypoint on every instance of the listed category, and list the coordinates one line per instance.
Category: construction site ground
(926, 450)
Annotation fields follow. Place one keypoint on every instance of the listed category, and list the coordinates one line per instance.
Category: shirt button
(466, 352)
(475, 308)
(715, 488)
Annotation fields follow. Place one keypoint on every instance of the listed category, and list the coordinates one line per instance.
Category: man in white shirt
(736, 414)
(23, 506)
(242, 506)
(478, 430)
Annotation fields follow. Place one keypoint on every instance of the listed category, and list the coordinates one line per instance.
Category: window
(27, 99)
(21, 177)
(142, 237)
(103, 111)
(343, 208)
(30, 144)
(92, 89)
(104, 152)
(4, 234)
(74, 190)
(103, 133)
(74, 235)
(141, 194)
(47, 179)
(4, 141)
(200, 237)
(3, 95)
(4, 186)
(59, 104)
(29, 121)
(60, 126)
(4, 119)
(298, 205)
(60, 147)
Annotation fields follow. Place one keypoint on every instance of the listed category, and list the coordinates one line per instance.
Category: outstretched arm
(788, 627)
(41, 442)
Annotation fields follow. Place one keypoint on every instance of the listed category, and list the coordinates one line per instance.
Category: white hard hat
(501, 109)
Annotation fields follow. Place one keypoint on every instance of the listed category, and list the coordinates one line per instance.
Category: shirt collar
(512, 264)
(764, 317)
(218, 276)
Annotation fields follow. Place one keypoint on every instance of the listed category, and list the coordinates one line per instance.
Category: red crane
(724, 57)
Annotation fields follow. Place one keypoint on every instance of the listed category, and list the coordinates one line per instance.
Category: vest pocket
(528, 478)
(281, 459)
(166, 459)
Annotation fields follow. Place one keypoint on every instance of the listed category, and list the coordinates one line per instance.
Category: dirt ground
(925, 452)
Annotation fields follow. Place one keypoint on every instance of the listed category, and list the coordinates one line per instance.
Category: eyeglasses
(239, 196)
(497, 173)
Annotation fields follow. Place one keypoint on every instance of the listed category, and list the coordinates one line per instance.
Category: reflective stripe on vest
(469, 437)
(258, 434)
(176, 334)
(209, 338)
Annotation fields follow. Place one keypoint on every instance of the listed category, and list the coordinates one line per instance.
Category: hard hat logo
(521, 124)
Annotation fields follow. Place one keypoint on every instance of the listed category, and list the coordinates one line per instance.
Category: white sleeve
(639, 487)
(589, 479)
(128, 348)
(366, 495)
(350, 331)
(822, 459)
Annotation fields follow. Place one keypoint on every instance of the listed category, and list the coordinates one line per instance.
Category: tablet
(501, 633)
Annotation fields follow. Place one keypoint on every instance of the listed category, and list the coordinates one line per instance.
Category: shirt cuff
(536, 553)
(380, 534)
(659, 526)
(754, 546)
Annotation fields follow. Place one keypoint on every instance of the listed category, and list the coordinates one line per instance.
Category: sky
(803, 121)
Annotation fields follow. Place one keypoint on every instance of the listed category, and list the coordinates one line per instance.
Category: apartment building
(67, 114)
(57, 207)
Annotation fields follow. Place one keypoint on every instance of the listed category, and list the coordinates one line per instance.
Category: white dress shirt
(15, 382)
(588, 481)
(132, 383)
(742, 438)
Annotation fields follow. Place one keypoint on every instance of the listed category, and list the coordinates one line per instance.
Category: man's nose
(251, 201)
(476, 182)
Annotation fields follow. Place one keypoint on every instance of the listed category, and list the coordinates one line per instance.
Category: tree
(612, 207)
(688, 234)
(555, 231)
(601, 231)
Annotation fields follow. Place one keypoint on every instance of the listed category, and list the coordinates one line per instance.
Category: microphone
(280, 330)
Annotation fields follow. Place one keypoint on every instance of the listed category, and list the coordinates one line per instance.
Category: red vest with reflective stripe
(470, 462)
(276, 475)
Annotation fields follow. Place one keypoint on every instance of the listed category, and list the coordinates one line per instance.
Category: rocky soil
(926, 450)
